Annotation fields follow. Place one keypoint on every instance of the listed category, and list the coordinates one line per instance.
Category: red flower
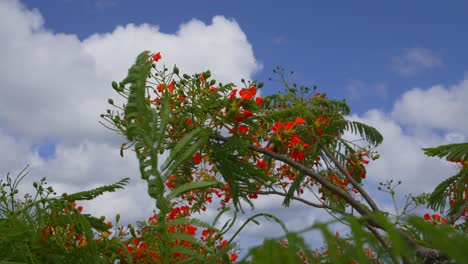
(80, 208)
(202, 78)
(427, 217)
(160, 87)
(188, 121)
(248, 94)
(233, 256)
(435, 216)
(261, 164)
(196, 158)
(243, 129)
(157, 56)
(171, 86)
(277, 126)
(259, 101)
(233, 94)
(224, 243)
(247, 113)
(169, 185)
(299, 121)
(190, 230)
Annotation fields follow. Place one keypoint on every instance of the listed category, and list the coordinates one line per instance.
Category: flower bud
(206, 74)
(115, 85)
(110, 101)
(132, 231)
(260, 85)
(175, 70)
(186, 76)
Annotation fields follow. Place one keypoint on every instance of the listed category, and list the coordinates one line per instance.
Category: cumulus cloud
(414, 61)
(402, 157)
(421, 118)
(437, 107)
(57, 85)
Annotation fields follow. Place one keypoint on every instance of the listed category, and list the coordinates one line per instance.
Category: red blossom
(299, 121)
(233, 256)
(233, 94)
(160, 87)
(261, 164)
(196, 158)
(248, 94)
(243, 129)
(171, 86)
(224, 243)
(190, 230)
(157, 56)
(259, 101)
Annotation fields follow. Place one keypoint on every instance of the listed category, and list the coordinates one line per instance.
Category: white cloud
(402, 157)
(437, 107)
(414, 61)
(420, 118)
(54, 85)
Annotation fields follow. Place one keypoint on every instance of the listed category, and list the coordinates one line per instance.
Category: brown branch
(457, 215)
(356, 185)
(295, 198)
(301, 168)
(428, 254)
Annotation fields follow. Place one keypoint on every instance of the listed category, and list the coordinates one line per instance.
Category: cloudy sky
(402, 68)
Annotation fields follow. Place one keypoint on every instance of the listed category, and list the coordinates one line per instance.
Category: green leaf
(367, 132)
(454, 152)
(199, 185)
(184, 150)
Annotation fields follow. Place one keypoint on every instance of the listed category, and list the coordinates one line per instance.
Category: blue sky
(402, 66)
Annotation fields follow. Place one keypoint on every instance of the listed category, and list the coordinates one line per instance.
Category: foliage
(201, 142)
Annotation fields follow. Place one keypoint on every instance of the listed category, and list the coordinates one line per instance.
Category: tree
(228, 142)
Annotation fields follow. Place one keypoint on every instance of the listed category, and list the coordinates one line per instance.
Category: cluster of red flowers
(64, 233)
(292, 138)
(435, 218)
(286, 134)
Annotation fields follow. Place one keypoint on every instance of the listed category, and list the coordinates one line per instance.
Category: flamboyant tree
(199, 141)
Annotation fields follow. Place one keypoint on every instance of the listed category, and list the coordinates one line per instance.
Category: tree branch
(301, 168)
(294, 197)
(351, 179)
(457, 215)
